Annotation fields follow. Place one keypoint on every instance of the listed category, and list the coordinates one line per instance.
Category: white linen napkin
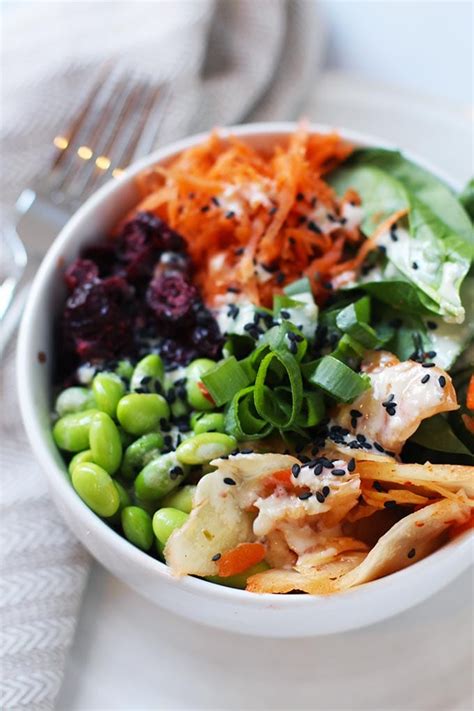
(225, 61)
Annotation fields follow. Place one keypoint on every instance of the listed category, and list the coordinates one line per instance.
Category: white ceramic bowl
(226, 608)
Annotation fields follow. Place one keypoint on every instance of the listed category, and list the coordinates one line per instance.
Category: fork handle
(39, 221)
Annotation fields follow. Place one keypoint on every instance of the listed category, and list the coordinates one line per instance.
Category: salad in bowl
(263, 374)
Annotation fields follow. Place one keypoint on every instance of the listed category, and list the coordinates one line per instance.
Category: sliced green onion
(348, 349)
(238, 346)
(354, 320)
(312, 410)
(266, 403)
(242, 419)
(225, 380)
(337, 379)
(301, 286)
(277, 340)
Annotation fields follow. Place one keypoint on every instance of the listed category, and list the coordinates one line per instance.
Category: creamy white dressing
(227, 324)
(305, 317)
(254, 194)
(451, 273)
(353, 214)
(171, 376)
(262, 274)
(448, 340)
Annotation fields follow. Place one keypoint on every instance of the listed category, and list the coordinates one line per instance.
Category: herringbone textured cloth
(225, 61)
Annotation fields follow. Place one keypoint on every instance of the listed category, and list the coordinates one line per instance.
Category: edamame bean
(124, 369)
(239, 580)
(140, 452)
(210, 422)
(75, 399)
(85, 456)
(194, 372)
(205, 447)
(137, 527)
(108, 389)
(181, 499)
(159, 477)
(71, 432)
(139, 413)
(147, 371)
(165, 521)
(96, 488)
(124, 500)
(105, 442)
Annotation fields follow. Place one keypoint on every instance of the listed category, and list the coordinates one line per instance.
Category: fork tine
(151, 126)
(115, 116)
(128, 139)
(80, 149)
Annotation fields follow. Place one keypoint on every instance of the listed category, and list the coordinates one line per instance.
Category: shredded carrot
(250, 217)
(240, 558)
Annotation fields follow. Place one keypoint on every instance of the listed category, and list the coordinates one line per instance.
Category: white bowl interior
(270, 615)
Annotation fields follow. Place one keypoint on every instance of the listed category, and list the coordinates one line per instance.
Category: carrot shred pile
(250, 217)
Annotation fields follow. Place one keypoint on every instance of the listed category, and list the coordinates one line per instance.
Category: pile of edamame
(136, 440)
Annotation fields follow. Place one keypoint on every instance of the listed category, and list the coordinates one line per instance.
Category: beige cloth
(226, 62)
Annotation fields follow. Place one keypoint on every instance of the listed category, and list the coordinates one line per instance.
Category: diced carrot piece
(470, 394)
(240, 558)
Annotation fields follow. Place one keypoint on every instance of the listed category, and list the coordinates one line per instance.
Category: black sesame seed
(313, 227)
(304, 458)
(432, 325)
(360, 438)
(327, 463)
(313, 201)
(390, 454)
(366, 445)
(378, 487)
(411, 553)
(272, 210)
(338, 472)
(145, 380)
(391, 410)
(217, 556)
(318, 469)
(330, 217)
(205, 208)
(229, 481)
(325, 491)
(354, 423)
(293, 347)
(291, 240)
(414, 265)
(233, 290)
(239, 251)
(215, 201)
(425, 378)
(168, 441)
(233, 311)
(320, 497)
(299, 197)
(249, 327)
(442, 381)
(141, 391)
(378, 447)
(285, 314)
(229, 215)
(246, 451)
(295, 470)
(390, 504)
(280, 278)
(431, 354)
(428, 365)
(351, 465)
(235, 452)
(175, 472)
(306, 495)
(356, 413)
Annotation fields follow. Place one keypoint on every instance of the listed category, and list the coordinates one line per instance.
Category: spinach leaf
(381, 194)
(467, 199)
(436, 433)
(429, 190)
(426, 264)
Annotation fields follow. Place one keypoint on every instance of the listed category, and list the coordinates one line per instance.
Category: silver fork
(118, 123)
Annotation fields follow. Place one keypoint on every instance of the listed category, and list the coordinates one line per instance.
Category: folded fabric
(223, 62)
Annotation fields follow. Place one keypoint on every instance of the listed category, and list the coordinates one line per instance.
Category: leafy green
(429, 190)
(436, 433)
(424, 268)
(467, 199)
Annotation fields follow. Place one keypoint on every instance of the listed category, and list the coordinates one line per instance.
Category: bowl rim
(454, 554)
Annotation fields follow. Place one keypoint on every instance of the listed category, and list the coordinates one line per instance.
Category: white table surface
(129, 655)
